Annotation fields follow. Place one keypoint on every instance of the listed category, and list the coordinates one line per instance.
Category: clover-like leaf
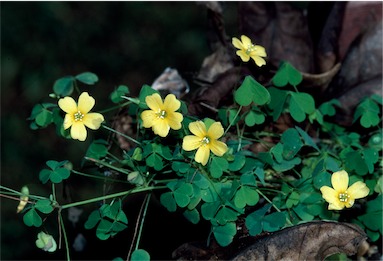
(167, 200)
(300, 105)
(32, 218)
(140, 255)
(63, 86)
(254, 117)
(251, 91)
(192, 215)
(287, 74)
(97, 149)
(87, 78)
(57, 173)
(368, 112)
(44, 206)
(182, 194)
(246, 196)
(225, 234)
(218, 166)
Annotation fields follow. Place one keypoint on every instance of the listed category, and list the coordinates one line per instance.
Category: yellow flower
(78, 115)
(341, 195)
(204, 140)
(248, 50)
(162, 116)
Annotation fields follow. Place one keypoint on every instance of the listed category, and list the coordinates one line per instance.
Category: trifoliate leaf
(140, 255)
(300, 105)
(121, 90)
(63, 86)
(251, 91)
(225, 234)
(87, 78)
(287, 74)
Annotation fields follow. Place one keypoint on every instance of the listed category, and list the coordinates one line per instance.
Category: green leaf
(87, 78)
(274, 221)
(254, 117)
(322, 179)
(44, 206)
(63, 86)
(225, 234)
(182, 194)
(292, 200)
(155, 161)
(167, 200)
(251, 90)
(121, 90)
(368, 112)
(238, 163)
(307, 139)
(291, 143)
(354, 161)
(93, 219)
(277, 102)
(373, 217)
(370, 156)
(32, 218)
(44, 175)
(192, 215)
(287, 74)
(209, 209)
(300, 105)
(218, 166)
(301, 211)
(146, 90)
(44, 118)
(254, 220)
(140, 255)
(226, 214)
(97, 149)
(246, 196)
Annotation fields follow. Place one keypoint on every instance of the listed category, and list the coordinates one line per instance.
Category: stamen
(250, 48)
(78, 116)
(343, 197)
(205, 140)
(161, 114)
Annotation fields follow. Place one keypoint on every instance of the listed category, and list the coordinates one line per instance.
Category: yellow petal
(258, 60)
(329, 194)
(154, 102)
(358, 190)
(148, 117)
(198, 128)
(161, 127)
(202, 155)
(246, 41)
(78, 131)
(174, 120)
(339, 181)
(68, 121)
(260, 51)
(171, 103)
(243, 55)
(349, 203)
(237, 43)
(336, 206)
(68, 105)
(85, 103)
(191, 142)
(215, 131)
(218, 147)
(93, 120)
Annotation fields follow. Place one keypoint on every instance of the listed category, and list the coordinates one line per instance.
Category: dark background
(128, 43)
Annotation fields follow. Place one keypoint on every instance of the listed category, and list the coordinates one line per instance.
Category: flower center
(343, 197)
(205, 140)
(78, 116)
(250, 48)
(161, 114)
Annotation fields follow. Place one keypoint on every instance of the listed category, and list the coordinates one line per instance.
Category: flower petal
(191, 142)
(68, 105)
(336, 206)
(202, 155)
(161, 127)
(154, 102)
(243, 55)
(349, 203)
(218, 147)
(246, 42)
(174, 120)
(85, 103)
(329, 194)
(260, 51)
(93, 120)
(171, 103)
(78, 131)
(215, 131)
(259, 61)
(198, 128)
(68, 121)
(339, 181)
(237, 43)
(358, 190)
(148, 118)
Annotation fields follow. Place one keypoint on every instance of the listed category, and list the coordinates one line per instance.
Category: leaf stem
(119, 194)
(115, 107)
(121, 134)
(232, 121)
(65, 236)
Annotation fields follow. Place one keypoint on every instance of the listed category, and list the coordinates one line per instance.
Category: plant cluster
(214, 169)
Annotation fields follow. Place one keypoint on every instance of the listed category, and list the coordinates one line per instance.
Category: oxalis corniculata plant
(204, 166)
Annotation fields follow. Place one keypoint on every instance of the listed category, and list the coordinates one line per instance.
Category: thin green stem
(119, 194)
(65, 236)
(147, 198)
(268, 200)
(115, 107)
(232, 121)
(98, 177)
(121, 134)
(108, 165)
